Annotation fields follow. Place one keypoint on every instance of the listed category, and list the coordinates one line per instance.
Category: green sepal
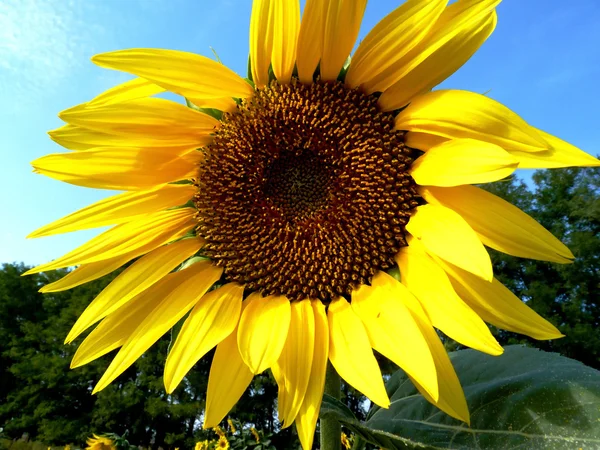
(342, 75)
(213, 112)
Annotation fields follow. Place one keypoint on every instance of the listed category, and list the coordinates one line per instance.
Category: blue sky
(543, 61)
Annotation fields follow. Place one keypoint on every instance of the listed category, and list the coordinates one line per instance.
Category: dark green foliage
(42, 397)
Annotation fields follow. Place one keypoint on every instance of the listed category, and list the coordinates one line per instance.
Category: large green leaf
(524, 399)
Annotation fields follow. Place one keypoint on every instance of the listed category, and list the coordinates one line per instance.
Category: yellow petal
(263, 330)
(341, 30)
(350, 352)
(213, 318)
(120, 168)
(133, 238)
(451, 396)
(429, 283)
(461, 114)
(228, 379)
(499, 224)
(306, 420)
(186, 288)
(374, 62)
(422, 141)
(310, 39)
(560, 154)
(193, 76)
(286, 17)
(446, 234)
(450, 44)
(115, 329)
(261, 40)
(134, 280)
(462, 161)
(87, 272)
(392, 330)
(130, 90)
(73, 137)
(119, 209)
(155, 118)
(495, 304)
(295, 362)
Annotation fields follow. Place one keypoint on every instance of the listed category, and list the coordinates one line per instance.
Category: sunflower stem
(331, 429)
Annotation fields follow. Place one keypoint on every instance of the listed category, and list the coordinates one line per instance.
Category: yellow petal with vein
(495, 304)
(212, 320)
(499, 224)
(373, 63)
(429, 283)
(119, 168)
(392, 330)
(294, 364)
(451, 396)
(462, 161)
(115, 329)
(73, 137)
(310, 39)
(185, 287)
(228, 379)
(450, 44)
(263, 330)
(446, 234)
(193, 76)
(85, 273)
(133, 238)
(134, 280)
(130, 90)
(422, 141)
(155, 118)
(350, 352)
(341, 30)
(461, 114)
(560, 154)
(286, 16)
(261, 40)
(119, 209)
(306, 420)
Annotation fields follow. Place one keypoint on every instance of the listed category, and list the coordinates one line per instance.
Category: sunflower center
(305, 191)
(298, 184)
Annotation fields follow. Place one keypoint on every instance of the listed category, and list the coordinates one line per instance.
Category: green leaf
(524, 399)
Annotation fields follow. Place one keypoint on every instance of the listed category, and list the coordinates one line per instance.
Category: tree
(41, 396)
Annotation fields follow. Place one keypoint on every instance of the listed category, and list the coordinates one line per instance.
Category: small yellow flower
(98, 443)
(255, 434)
(346, 441)
(201, 445)
(231, 426)
(219, 431)
(223, 443)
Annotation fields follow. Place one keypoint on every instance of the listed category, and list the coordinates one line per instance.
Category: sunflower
(287, 199)
(100, 443)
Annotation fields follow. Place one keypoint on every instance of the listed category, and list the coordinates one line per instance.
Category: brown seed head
(305, 191)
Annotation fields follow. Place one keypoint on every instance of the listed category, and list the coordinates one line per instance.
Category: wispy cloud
(41, 42)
